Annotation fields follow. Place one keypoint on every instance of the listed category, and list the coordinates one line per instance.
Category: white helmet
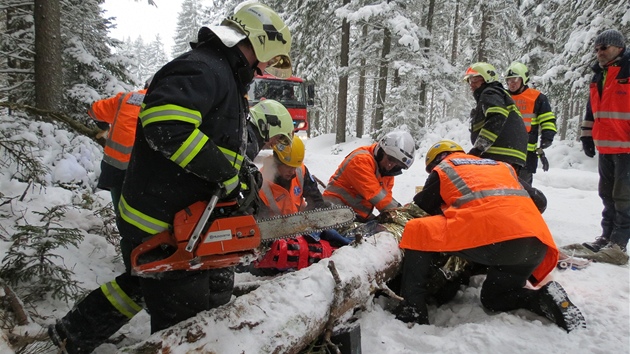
(399, 145)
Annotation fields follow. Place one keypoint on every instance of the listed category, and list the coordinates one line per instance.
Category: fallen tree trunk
(286, 313)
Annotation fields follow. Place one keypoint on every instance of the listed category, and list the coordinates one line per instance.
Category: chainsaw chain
(334, 207)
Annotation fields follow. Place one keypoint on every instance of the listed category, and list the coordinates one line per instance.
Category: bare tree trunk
(455, 34)
(373, 113)
(342, 98)
(382, 80)
(483, 33)
(48, 66)
(361, 95)
(566, 114)
(577, 111)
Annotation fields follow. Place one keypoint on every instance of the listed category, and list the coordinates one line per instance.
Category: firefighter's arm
(363, 172)
(496, 114)
(171, 117)
(311, 193)
(429, 198)
(103, 112)
(173, 130)
(546, 119)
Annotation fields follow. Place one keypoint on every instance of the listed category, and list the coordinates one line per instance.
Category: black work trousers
(510, 264)
(614, 190)
(170, 298)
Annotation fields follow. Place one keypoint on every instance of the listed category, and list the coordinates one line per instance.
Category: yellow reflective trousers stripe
(119, 299)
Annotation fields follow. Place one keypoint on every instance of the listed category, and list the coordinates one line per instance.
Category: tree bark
(287, 313)
(455, 33)
(48, 64)
(383, 72)
(483, 33)
(342, 97)
(361, 95)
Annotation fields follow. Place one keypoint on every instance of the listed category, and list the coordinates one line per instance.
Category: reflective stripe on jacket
(190, 139)
(497, 127)
(359, 184)
(611, 113)
(484, 204)
(121, 113)
(525, 103)
(276, 197)
(537, 114)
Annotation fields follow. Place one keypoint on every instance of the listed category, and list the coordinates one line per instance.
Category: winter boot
(596, 245)
(60, 339)
(614, 254)
(554, 304)
(412, 314)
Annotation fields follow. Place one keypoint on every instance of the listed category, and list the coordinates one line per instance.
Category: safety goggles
(279, 66)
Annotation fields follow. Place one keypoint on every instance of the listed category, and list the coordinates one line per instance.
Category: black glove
(588, 145)
(545, 162)
(545, 143)
(476, 152)
(251, 175)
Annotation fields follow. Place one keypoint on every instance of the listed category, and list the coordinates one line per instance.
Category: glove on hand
(251, 176)
(589, 146)
(545, 162)
(545, 143)
(476, 152)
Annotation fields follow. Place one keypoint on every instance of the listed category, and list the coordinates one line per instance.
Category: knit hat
(611, 37)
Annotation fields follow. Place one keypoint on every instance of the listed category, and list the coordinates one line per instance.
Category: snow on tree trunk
(286, 313)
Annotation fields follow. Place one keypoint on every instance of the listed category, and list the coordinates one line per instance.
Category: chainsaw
(205, 236)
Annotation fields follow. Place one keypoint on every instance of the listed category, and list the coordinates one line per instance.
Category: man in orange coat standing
(365, 178)
(117, 118)
(483, 214)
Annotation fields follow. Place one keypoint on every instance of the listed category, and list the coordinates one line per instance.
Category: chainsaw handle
(202, 221)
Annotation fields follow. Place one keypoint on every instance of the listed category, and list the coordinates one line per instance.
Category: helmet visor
(280, 67)
(283, 144)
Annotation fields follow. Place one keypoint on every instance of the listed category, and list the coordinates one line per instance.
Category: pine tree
(30, 261)
(188, 23)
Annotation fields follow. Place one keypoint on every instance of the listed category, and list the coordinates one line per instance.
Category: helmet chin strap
(256, 68)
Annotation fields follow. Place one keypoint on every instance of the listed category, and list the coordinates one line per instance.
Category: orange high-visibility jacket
(611, 112)
(525, 102)
(276, 197)
(484, 204)
(359, 184)
(121, 112)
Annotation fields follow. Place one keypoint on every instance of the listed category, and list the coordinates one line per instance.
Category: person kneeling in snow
(288, 188)
(483, 214)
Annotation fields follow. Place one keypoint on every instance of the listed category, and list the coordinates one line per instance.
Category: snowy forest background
(376, 65)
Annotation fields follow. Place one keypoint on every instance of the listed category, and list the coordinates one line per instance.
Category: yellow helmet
(436, 149)
(485, 70)
(291, 156)
(517, 69)
(272, 118)
(269, 35)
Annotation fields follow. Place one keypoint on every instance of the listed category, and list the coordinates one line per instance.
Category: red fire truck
(293, 93)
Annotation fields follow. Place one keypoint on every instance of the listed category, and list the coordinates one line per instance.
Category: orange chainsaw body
(222, 244)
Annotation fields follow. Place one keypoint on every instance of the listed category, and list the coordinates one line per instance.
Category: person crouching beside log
(481, 212)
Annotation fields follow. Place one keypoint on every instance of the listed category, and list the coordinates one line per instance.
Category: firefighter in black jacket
(496, 126)
(190, 144)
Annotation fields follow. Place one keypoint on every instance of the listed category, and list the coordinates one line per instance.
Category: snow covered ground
(601, 291)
